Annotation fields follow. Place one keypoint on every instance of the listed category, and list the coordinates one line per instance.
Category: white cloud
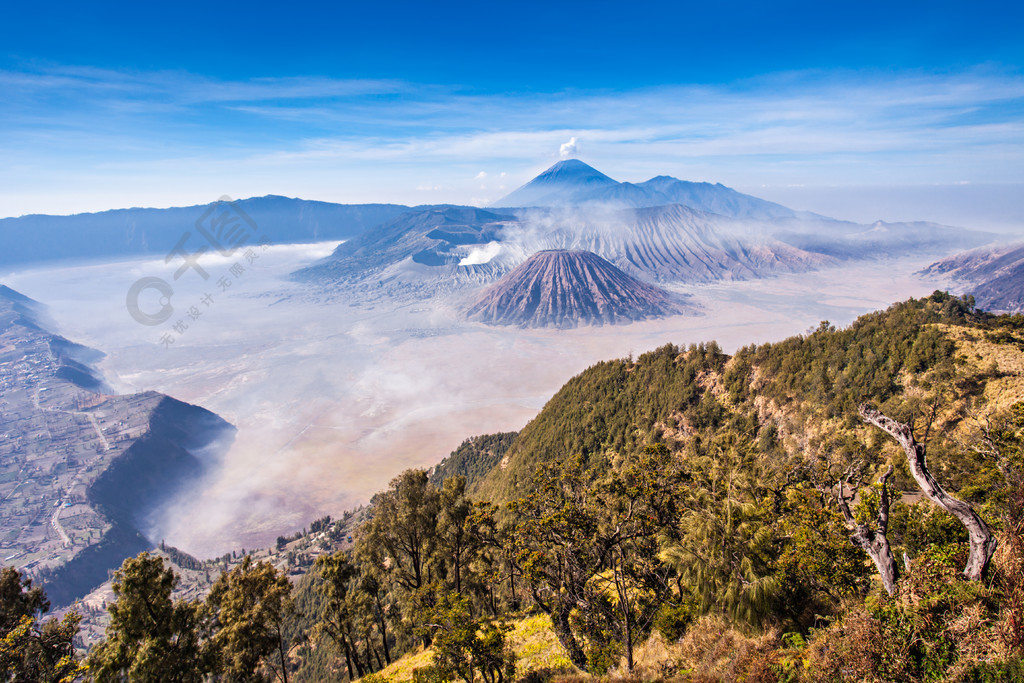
(76, 139)
(568, 149)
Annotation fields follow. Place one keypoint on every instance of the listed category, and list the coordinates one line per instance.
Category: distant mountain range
(574, 183)
(566, 289)
(457, 245)
(124, 233)
(994, 276)
(662, 230)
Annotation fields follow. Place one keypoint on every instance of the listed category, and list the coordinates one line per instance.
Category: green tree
(379, 607)
(467, 543)
(455, 535)
(588, 551)
(403, 528)
(554, 531)
(465, 647)
(346, 612)
(397, 543)
(30, 650)
(818, 565)
(634, 500)
(150, 637)
(245, 614)
(724, 542)
(18, 598)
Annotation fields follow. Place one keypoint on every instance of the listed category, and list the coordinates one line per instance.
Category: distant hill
(440, 249)
(805, 385)
(124, 233)
(80, 468)
(567, 289)
(994, 276)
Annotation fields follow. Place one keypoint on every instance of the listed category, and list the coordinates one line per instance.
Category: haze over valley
(341, 365)
(556, 342)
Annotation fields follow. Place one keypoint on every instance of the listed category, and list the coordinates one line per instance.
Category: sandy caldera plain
(333, 397)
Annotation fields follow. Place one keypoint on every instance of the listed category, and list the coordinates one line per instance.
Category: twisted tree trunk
(565, 635)
(874, 540)
(982, 542)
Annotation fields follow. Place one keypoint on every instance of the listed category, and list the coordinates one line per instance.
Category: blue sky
(105, 105)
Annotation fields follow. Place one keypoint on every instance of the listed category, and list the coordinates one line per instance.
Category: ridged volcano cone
(570, 288)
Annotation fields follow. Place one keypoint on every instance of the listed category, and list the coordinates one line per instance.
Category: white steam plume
(568, 149)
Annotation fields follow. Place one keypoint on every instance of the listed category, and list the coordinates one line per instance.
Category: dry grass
(401, 669)
(714, 651)
(848, 650)
(532, 638)
(1007, 386)
(536, 646)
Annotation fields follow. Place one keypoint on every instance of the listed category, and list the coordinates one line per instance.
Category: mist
(333, 397)
(994, 207)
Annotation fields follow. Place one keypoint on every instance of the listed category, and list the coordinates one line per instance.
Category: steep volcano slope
(439, 236)
(569, 288)
(81, 469)
(995, 276)
(564, 183)
(677, 244)
(447, 248)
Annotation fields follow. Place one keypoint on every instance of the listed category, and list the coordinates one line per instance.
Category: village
(57, 438)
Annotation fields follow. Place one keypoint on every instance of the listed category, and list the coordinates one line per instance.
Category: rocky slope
(676, 243)
(569, 288)
(993, 275)
(81, 469)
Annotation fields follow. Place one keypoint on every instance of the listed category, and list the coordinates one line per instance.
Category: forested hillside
(846, 505)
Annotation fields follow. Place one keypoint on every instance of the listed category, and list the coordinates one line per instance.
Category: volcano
(563, 183)
(567, 289)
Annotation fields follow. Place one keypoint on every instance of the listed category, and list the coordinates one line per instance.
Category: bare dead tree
(872, 538)
(982, 542)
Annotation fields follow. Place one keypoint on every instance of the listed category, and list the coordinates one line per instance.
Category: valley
(332, 397)
(80, 467)
(341, 365)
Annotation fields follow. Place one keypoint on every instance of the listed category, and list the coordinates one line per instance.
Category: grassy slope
(532, 639)
(805, 389)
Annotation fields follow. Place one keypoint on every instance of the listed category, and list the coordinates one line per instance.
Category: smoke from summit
(569, 149)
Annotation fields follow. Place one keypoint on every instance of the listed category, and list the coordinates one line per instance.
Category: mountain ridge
(573, 182)
(121, 233)
(994, 276)
(104, 461)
